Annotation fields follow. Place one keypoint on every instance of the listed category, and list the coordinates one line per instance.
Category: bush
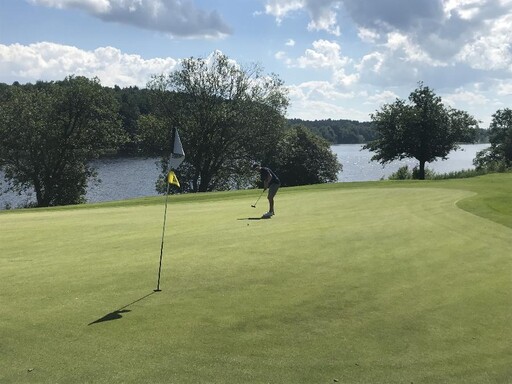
(463, 174)
(429, 174)
(305, 158)
(402, 173)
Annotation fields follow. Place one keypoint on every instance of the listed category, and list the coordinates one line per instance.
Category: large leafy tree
(423, 129)
(50, 131)
(499, 154)
(305, 158)
(227, 115)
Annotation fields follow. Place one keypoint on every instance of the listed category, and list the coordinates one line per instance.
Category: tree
(499, 154)
(304, 158)
(424, 129)
(226, 115)
(49, 133)
(134, 102)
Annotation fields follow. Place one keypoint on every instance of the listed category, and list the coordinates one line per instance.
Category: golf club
(261, 194)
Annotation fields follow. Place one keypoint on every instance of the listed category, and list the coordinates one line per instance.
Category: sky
(340, 59)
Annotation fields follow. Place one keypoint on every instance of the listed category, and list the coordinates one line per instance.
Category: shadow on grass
(254, 218)
(118, 313)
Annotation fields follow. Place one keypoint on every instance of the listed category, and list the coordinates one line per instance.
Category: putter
(261, 194)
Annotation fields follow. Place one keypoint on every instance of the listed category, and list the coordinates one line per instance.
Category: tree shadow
(118, 313)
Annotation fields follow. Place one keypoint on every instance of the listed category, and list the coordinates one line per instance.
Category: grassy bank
(383, 282)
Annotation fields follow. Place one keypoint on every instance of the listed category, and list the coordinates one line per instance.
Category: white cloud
(463, 96)
(323, 17)
(410, 51)
(324, 55)
(290, 43)
(505, 89)
(465, 9)
(321, 110)
(482, 104)
(282, 56)
(179, 18)
(434, 32)
(372, 62)
(318, 90)
(388, 67)
(279, 9)
(381, 97)
(96, 6)
(48, 61)
(444, 25)
(323, 14)
(368, 36)
(316, 100)
(491, 51)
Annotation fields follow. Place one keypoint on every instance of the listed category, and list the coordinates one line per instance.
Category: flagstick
(162, 245)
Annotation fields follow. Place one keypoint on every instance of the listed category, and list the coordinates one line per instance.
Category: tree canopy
(304, 158)
(49, 133)
(499, 154)
(227, 115)
(423, 129)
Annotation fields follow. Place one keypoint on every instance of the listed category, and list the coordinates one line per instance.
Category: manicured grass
(385, 282)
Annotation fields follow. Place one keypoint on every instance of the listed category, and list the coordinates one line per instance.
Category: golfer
(270, 182)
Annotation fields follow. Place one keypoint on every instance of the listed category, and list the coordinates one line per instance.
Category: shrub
(465, 173)
(402, 173)
(429, 174)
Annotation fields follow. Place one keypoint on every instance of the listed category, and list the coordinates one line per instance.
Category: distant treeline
(135, 102)
(354, 132)
(340, 131)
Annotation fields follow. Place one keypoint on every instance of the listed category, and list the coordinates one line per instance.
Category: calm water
(358, 167)
(134, 177)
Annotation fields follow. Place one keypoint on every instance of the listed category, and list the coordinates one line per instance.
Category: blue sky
(339, 59)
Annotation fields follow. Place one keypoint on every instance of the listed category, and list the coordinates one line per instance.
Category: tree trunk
(205, 181)
(421, 173)
(39, 193)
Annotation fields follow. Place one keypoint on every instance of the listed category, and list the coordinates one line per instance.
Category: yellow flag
(172, 179)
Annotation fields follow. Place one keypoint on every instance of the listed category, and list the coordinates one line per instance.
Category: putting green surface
(362, 283)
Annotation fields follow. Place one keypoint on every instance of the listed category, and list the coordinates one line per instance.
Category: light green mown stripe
(355, 284)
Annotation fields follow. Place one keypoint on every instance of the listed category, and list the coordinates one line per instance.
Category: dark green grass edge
(492, 197)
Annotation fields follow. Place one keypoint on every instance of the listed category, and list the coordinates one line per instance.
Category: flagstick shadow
(117, 314)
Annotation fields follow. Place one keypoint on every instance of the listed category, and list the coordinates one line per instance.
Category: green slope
(360, 283)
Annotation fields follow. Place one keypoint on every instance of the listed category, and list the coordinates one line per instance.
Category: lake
(357, 165)
(135, 177)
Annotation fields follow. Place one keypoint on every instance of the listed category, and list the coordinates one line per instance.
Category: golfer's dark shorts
(272, 190)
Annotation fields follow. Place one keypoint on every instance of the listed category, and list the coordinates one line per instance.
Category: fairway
(356, 283)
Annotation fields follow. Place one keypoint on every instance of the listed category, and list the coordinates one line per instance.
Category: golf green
(352, 283)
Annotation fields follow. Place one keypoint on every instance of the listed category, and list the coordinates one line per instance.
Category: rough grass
(384, 282)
